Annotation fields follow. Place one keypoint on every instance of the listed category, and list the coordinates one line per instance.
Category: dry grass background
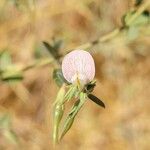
(122, 73)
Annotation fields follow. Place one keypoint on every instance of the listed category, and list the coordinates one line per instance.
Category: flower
(78, 65)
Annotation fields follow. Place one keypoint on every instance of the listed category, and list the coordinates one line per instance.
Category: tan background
(122, 73)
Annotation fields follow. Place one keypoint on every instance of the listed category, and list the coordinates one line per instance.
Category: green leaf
(75, 106)
(71, 92)
(38, 53)
(132, 33)
(24, 5)
(5, 60)
(58, 113)
(50, 49)
(70, 118)
(57, 45)
(68, 124)
(96, 100)
(12, 75)
(5, 122)
(72, 114)
(143, 19)
(90, 86)
(5, 127)
(83, 96)
(8, 71)
(53, 49)
(58, 77)
(60, 96)
(11, 136)
(126, 17)
(138, 2)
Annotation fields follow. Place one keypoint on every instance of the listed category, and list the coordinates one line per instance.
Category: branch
(139, 12)
(38, 63)
(107, 37)
(116, 31)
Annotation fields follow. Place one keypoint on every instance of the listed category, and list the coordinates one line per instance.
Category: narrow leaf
(12, 75)
(138, 2)
(58, 113)
(90, 86)
(70, 119)
(5, 59)
(11, 136)
(52, 50)
(72, 114)
(73, 109)
(57, 45)
(96, 100)
(5, 122)
(140, 20)
(71, 93)
(58, 77)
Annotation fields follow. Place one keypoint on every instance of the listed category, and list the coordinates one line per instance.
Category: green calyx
(71, 92)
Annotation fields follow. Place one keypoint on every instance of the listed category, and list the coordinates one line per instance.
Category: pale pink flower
(78, 64)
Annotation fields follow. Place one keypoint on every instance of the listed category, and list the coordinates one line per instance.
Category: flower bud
(78, 65)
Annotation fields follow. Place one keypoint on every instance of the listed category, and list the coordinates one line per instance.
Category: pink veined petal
(78, 63)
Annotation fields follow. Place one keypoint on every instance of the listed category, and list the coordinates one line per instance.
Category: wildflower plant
(76, 81)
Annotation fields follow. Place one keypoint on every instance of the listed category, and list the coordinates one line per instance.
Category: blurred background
(28, 91)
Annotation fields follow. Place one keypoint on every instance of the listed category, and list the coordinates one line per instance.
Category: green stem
(138, 12)
(107, 37)
(116, 31)
(38, 63)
